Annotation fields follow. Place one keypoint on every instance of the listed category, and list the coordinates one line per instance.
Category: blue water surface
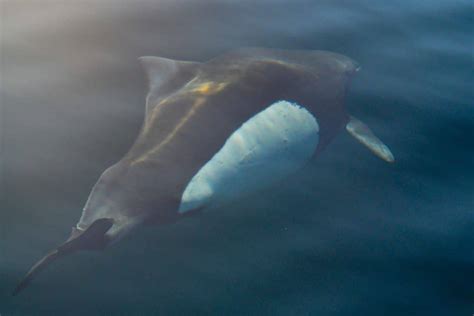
(347, 235)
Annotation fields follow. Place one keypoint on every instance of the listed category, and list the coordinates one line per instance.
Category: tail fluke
(36, 269)
(92, 238)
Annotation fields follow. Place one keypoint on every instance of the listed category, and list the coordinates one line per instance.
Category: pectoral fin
(364, 135)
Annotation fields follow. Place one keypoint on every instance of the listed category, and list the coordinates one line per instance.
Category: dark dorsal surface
(193, 108)
(216, 130)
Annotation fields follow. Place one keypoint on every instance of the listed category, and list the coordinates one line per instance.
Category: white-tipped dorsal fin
(160, 71)
(363, 134)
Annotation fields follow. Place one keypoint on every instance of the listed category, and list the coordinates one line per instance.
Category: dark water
(348, 235)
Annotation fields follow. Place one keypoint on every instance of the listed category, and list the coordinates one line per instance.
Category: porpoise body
(214, 132)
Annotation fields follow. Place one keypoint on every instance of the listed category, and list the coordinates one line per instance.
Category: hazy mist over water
(348, 235)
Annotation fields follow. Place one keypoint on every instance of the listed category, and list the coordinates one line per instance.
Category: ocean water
(347, 235)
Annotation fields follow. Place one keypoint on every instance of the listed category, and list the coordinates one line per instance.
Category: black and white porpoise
(214, 132)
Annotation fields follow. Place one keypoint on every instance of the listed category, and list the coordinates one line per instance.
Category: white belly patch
(268, 147)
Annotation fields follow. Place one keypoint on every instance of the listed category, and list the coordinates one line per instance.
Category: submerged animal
(214, 132)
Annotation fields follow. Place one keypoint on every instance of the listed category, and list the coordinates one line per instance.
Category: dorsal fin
(165, 75)
(364, 135)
